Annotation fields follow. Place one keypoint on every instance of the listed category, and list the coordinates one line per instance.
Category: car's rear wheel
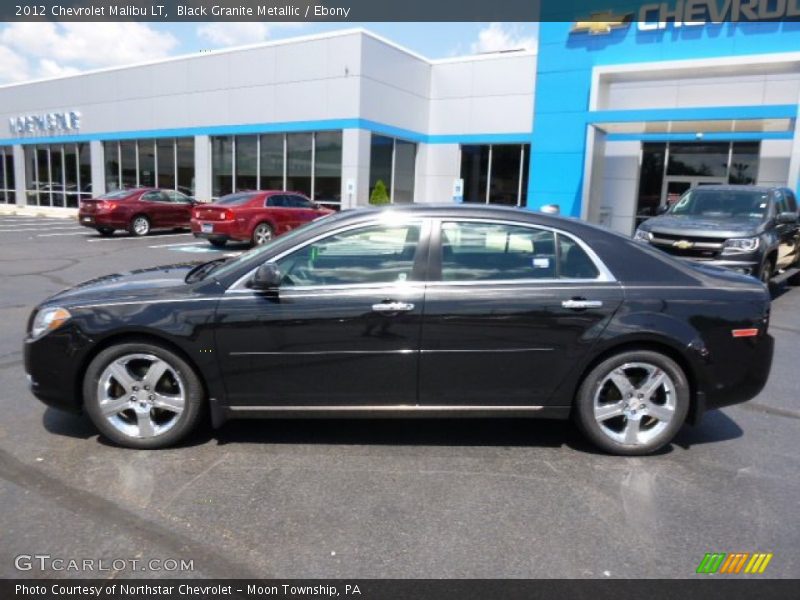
(140, 225)
(142, 395)
(262, 234)
(218, 243)
(105, 231)
(633, 403)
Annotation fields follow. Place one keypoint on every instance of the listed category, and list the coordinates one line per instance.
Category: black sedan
(412, 311)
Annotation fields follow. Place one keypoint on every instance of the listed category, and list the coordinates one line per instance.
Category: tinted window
(791, 202)
(235, 199)
(118, 195)
(375, 254)
(296, 201)
(573, 262)
(722, 203)
(277, 201)
(176, 197)
(488, 251)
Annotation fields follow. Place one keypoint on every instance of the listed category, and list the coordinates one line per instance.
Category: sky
(44, 49)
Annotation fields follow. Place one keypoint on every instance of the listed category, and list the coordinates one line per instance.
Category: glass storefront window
(651, 179)
(146, 163)
(246, 163)
(7, 190)
(222, 166)
(392, 161)
(298, 162)
(496, 174)
(129, 172)
(70, 175)
(184, 164)
(111, 152)
(744, 163)
(271, 175)
(328, 167)
(165, 167)
(698, 159)
(84, 170)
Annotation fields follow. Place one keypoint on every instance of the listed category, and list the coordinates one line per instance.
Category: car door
(156, 207)
(509, 310)
(281, 214)
(180, 208)
(304, 210)
(342, 330)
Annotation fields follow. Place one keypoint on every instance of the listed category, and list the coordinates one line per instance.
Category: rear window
(118, 195)
(235, 199)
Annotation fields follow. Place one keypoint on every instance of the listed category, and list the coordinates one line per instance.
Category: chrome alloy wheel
(262, 234)
(634, 403)
(141, 395)
(141, 226)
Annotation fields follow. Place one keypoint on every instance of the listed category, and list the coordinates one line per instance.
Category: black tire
(218, 243)
(105, 231)
(765, 272)
(596, 384)
(139, 226)
(257, 239)
(184, 423)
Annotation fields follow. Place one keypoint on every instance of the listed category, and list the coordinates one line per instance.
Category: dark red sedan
(256, 217)
(137, 211)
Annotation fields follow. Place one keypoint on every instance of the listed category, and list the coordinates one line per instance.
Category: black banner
(392, 589)
(401, 10)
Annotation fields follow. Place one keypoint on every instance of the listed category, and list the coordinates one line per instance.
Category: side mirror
(787, 217)
(662, 209)
(267, 278)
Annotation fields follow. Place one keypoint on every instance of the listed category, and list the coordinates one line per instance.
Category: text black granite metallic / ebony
(410, 311)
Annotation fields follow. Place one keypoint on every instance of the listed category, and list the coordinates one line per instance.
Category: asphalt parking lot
(377, 499)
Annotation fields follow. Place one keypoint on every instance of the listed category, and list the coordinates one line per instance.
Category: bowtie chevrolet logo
(683, 244)
(601, 23)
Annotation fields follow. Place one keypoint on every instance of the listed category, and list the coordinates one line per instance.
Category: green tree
(379, 194)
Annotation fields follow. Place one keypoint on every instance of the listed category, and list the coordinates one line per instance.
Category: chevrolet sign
(53, 122)
(602, 22)
(683, 244)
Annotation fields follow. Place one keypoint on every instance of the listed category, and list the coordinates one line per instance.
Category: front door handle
(392, 307)
(581, 304)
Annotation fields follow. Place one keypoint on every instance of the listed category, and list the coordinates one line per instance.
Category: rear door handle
(392, 307)
(580, 304)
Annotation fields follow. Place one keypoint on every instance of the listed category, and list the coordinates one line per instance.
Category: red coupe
(136, 210)
(256, 217)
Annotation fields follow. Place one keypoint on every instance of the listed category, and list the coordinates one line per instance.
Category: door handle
(392, 307)
(580, 303)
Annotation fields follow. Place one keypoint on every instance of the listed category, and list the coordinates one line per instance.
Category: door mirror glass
(267, 277)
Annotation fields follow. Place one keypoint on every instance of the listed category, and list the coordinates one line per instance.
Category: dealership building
(606, 120)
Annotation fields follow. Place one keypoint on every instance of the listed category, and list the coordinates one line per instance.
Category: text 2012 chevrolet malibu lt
(413, 311)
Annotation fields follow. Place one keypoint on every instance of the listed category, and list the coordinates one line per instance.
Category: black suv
(749, 229)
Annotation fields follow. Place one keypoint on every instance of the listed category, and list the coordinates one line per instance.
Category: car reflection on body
(137, 210)
(410, 311)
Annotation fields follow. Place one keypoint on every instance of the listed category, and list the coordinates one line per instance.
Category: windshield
(233, 264)
(749, 204)
(235, 199)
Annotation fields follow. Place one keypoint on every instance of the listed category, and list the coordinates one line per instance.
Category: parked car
(137, 211)
(410, 311)
(256, 217)
(752, 230)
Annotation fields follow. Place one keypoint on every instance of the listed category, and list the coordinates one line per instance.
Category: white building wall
(438, 166)
(618, 186)
(773, 166)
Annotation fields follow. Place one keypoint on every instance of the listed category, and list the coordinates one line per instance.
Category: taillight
(105, 205)
(226, 215)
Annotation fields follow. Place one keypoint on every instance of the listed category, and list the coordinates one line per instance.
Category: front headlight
(642, 236)
(734, 245)
(49, 319)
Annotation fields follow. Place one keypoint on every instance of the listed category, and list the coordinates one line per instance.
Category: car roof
(738, 188)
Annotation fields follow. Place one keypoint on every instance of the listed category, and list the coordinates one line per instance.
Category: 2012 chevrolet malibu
(413, 311)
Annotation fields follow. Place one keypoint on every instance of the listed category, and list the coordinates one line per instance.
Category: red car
(137, 210)
(256, 217)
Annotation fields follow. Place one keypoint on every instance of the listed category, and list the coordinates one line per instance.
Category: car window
(780, 202)
(489, 251)
(573, 262)
(277, 201)
(374, 254)
(715, 203)
(237, 199)
(154, 197)
(176, 197)
(296, 201)
(791, 201)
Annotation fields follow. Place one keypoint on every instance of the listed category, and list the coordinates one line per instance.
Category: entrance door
(676, 186)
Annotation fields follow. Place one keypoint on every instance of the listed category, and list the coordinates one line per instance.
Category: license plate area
(207, 228)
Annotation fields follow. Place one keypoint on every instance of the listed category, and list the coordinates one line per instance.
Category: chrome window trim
(605, 274)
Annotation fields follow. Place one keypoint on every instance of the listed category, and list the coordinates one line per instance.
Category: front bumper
(746, 267)
(52, 366)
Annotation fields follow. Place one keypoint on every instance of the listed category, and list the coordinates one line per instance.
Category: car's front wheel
(633, 403)
(142, 395)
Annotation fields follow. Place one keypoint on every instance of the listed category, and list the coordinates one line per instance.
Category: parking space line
(85, 233)
(139, 239)
(35, 229)
(178, 244)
